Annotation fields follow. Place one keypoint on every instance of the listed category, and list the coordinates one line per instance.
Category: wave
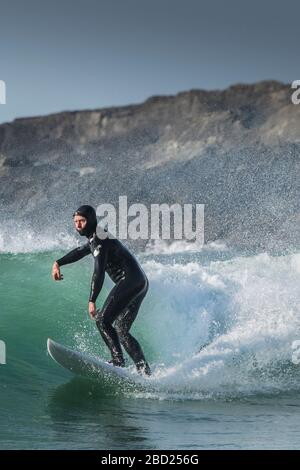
(21, 239)
(223, 328)
(245, 314)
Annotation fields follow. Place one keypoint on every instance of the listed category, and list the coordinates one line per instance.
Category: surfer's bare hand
(56, 274)
(92, 310)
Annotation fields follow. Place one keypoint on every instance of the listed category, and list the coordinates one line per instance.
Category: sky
(86, 54)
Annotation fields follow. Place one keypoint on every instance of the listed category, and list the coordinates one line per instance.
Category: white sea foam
(19, 238)
(24, 240)
(246, 308)
(159, 247)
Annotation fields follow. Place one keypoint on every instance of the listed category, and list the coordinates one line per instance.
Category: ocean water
(217, 327)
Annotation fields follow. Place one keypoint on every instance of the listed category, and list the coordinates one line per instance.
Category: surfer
(120, 309)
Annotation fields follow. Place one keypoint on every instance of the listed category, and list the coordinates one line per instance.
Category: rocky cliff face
(236, 151)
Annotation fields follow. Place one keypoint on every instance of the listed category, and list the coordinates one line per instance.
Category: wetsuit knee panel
(121, 329)
(101, 321)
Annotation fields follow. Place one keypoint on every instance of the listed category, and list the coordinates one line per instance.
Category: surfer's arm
(74, 255)
(98, 274)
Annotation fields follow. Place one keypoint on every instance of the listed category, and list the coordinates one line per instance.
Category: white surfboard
(88, 366)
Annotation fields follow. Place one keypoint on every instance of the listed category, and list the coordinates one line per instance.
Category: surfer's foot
(117, 362)
(143, 368)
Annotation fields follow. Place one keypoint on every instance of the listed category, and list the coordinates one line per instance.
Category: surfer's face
(80, 223)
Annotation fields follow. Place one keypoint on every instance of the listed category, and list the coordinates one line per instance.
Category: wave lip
(162, 247)
(29, 241)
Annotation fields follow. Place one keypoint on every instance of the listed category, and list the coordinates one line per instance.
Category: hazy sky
(74, 54)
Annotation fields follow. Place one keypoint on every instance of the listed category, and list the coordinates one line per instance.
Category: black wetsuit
(124, 300)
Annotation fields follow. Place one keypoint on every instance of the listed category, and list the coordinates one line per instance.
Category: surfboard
(85, 365)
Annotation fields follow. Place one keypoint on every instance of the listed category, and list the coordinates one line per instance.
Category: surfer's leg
(123, 325)
(114, 304)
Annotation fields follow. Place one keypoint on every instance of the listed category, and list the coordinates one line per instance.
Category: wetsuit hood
(89, 213)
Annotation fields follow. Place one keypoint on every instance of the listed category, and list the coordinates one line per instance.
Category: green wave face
(212, 329)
